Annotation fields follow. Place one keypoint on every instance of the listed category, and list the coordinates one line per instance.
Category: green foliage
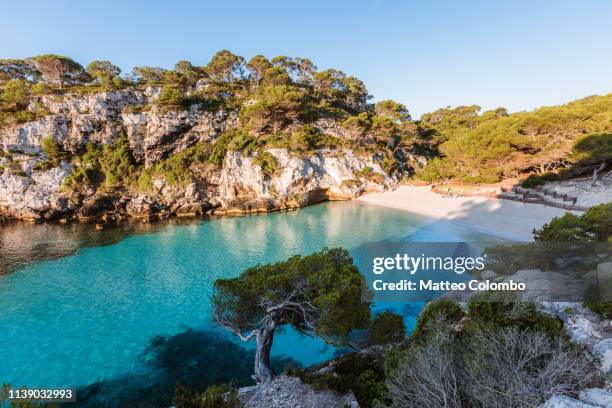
(594, 225)
(592, 149)
(495, 144)
(54, 152)
(116, 162)
(278, 101)
(305, 140)
(436, 169)
(225, 66)
(215, 396)
(392, 110)
(358, 372)
(14, 168)
(109, 166)
(369, 174)
(328, 280)
(276, 107)
(257, 66)
(16, 92)
(387, 327)
(103, 72)
(309, 139)
(444, 309)
(224, 143)
(245, 143)
(267, 162)
(175, 169)
(52, 149)
(171, 95)
(504, 345)
(188, 72)
(484, 310)
(603, 309)
(148, 75)
(40, 88)
(86, 168)
(60, 69)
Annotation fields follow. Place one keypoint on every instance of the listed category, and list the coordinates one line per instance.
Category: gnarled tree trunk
(265, 335)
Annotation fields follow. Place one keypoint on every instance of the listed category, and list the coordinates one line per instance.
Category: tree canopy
(318, 294)
(275, 98)
(490, 146)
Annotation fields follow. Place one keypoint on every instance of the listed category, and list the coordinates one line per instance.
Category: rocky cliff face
(154, 133)
(239, 186)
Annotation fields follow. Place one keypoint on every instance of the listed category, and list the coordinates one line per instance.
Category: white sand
(502, 218)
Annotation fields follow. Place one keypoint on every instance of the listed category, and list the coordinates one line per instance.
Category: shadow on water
(24, 243)
(196, 358)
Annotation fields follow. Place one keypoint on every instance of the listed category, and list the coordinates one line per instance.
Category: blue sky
(425, 54)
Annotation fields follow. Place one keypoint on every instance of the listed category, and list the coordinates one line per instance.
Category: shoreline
(501, 218)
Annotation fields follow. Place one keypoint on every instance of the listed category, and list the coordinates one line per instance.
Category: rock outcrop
(291, 392)
(589, 398)
(154, 133)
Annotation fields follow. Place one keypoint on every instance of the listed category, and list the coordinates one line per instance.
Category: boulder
(562, 401)
(603, 350)
(290, 392)
(597, 397)
(604, 276)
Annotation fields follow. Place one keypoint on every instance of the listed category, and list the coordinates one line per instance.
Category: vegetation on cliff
(494, 354)
(280, 103)
(287, 102)
(558, 140)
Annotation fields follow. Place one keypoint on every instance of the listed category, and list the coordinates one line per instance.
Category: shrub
(16, 92)
(215, 396)
(244, 143)
(387, 327)
(505, 355)
(53, 150)
(267, 162)
(222, 145)
(427, 375)
(358, 372)
(109, 165)
(14, 168)
(447, 310)
(603, 309)
(539, 179)
(594, 303)
(116, 162)
(487, 311)
(594, 225)
(171, 95)
(41, 88)
(175, 169)
(86, 168)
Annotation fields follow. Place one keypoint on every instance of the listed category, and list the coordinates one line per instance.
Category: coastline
(502, 218)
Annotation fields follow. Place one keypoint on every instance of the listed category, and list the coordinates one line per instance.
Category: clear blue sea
(127, 319)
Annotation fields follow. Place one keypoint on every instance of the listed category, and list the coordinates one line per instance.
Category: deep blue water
(138, 311)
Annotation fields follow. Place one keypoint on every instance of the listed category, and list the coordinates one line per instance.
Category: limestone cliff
(239, 185)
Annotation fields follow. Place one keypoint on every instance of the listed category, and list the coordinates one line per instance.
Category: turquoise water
(94, 315)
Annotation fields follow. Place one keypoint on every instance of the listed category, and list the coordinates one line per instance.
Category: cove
(124, 312)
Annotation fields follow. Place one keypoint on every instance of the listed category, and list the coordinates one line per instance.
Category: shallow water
(113, 309)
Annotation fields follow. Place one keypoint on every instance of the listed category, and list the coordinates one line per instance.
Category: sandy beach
(502, 218)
